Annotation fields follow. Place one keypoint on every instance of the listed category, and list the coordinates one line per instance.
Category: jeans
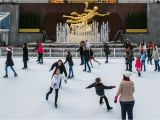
(127, 107)
(25, 63)
(82, 60)
(129, 66)
(6, 69)
(157, 67)
(143, 64)
(56, 94)
(106, 57)
(40, 58)
(70, 71)
(86, 64)
(106, 100)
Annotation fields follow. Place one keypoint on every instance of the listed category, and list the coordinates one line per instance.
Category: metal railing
(62, 52)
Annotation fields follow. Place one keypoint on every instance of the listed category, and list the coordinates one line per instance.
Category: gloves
(115, 99)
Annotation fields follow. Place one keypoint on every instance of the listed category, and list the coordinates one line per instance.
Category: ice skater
(129, 58)
(9, 63)
(40, 52)
(99, 87)
(138, 66)
(143, 59)
(81, 52)
(56, 79)
(126, 90)
(92, 57)
(25, 56)
(149, 52)
(156, 59)
(70, 63)
(86, 59)
(59, 65)
(106, 51)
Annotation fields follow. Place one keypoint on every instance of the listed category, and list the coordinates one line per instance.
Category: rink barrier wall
(62, 52)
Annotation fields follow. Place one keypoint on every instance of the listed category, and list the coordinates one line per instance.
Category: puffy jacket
(40, 49)
(138, 65)
(99, 88)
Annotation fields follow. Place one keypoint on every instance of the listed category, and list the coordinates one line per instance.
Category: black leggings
(56, 94)
(106, 100)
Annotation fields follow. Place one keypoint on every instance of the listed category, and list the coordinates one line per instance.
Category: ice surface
(24, 97)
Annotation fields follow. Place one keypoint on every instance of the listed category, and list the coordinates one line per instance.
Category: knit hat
(127, 74)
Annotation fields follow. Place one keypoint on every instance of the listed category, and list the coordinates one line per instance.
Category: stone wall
(14, 16)
(28, 37)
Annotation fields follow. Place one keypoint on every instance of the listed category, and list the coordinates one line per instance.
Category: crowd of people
(126, 88)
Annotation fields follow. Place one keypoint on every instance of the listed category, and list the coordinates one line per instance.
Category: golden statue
(86, 17)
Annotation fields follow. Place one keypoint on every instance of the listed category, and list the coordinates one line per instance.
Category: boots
(6, 76)
(110, 108)
(15, 75)
(47, 97)
(139, 74)
(55, 104)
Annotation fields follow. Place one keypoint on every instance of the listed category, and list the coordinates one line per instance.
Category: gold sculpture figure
(86, 17)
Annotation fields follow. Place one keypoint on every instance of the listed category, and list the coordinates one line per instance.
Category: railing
(62, 52)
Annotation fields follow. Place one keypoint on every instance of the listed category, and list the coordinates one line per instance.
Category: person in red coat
(40, 52)
(138, 66)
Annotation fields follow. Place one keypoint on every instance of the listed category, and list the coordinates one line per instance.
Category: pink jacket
(138, 65)
(40, 49)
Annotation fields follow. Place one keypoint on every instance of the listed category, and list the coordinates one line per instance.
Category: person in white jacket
(57, 77)
(156, 59)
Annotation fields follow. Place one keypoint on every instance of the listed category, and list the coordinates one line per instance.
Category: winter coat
(143, 56)
(9, 61)
(80, 50)
(86, 54)
(61, 67)
(56, 81)
(40, 49)
(155, 55)
(100, 88)
(25, 54)
(126, 90)
(138, 65)
(69, 60)
(106, 49)
(129, 56)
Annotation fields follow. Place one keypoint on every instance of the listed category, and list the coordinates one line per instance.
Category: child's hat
(127, 73)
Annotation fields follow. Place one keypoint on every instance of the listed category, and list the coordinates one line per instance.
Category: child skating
(55, 84)
(138, 66)
(99, 87)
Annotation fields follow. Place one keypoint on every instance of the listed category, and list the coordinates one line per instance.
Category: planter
(136, 30)
(29, 30)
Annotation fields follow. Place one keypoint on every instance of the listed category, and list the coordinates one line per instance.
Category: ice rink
(24, 97)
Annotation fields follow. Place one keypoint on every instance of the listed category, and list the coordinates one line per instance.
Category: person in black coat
(86, 59)
(99, 87)
(106, 51)
(70, 62)
(59, 65)
(25, 56)
(127, 44)
(81, 52)
(9, 63)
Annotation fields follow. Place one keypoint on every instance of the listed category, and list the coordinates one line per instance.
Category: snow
(24, 97)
